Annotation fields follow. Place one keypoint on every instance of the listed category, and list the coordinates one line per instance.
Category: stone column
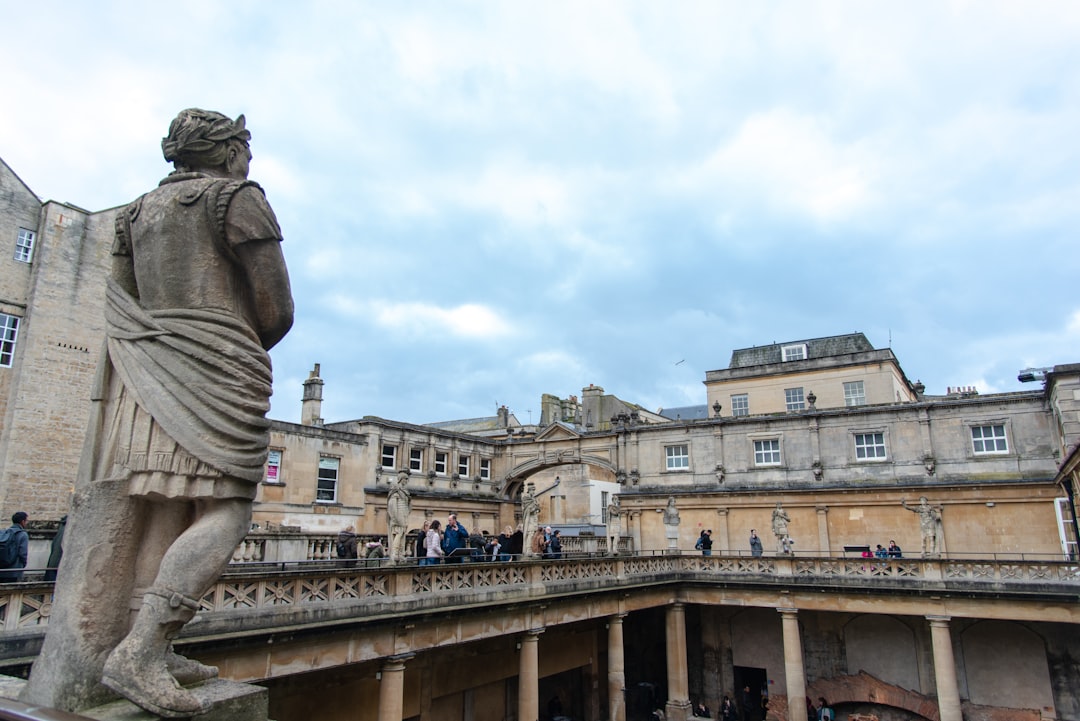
(529, 676)
(948, 692)
(392, 687)
(823, 530)
(616, 669)
(678, 705)
(722, 531)
(793, 664)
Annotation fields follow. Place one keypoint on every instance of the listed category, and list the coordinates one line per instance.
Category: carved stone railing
(306, 587)
(277, 547)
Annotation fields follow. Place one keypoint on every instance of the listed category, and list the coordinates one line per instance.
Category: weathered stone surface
(226, 701)
(177, 438)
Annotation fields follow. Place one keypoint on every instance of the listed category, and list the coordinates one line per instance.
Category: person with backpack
(347, 544)
(704, 543)
(14, 548)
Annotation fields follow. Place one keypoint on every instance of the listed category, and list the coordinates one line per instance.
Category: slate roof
(685, 413)
(815, 348)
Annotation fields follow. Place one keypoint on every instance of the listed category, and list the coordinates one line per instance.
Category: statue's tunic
(187, 383)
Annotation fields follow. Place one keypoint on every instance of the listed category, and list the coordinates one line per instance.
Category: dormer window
(794, 352)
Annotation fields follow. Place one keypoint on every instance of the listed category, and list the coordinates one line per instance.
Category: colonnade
(392, 686)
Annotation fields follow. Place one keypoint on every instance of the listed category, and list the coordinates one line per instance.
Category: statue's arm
(268, 281)
(123, 265)
(252, 231)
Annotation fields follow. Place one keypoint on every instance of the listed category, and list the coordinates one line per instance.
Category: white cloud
(791, 162)
(469, 320)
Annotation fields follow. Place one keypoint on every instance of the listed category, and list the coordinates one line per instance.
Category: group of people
(750, 706)
(893, 551)
(442, 545)
(436, 543)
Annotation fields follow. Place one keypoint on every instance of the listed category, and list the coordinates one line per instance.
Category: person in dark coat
(554, 549)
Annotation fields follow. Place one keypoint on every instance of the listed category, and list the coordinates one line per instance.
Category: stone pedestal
(672, 535)
(228, 700)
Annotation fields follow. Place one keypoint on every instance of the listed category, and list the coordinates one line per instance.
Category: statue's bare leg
(168, 521)
(138, 667)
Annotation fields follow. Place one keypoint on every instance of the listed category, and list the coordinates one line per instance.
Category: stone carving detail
(930, 464)
(720, 472)
(177, 441)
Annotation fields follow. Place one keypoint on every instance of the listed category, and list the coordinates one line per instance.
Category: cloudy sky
(483, 202)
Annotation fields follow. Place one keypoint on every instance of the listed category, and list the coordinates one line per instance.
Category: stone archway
(864, 690)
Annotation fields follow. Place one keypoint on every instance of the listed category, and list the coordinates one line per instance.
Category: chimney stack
(310, 414)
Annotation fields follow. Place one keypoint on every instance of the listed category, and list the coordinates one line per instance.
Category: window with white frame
(989, 439)
(440, 462)
(740, 405)
(273, 466)
(854, 394)
(603, 507)
(9, 331)
(389, 456)
(678, 457)
(767, 452)
(326, 488)
(870, 446)
(24, 245)
(485, 469)
(463, 466)
(416, 460)
(794, 352)
(793, 397)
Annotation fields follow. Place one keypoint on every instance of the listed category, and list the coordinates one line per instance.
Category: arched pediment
(556, 458)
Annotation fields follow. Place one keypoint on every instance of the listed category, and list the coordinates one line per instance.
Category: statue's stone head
(204, 139)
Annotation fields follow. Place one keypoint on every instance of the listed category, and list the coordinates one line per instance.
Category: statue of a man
(780, 520)
(530, 517)
(398, 505)
(614, 525)
(929, 520)
(177, 438)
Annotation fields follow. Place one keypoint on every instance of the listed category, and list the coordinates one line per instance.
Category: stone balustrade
(291, 587)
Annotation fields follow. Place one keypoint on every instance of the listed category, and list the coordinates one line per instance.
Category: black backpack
(9, 547)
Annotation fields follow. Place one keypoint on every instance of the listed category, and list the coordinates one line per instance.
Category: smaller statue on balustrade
(671, 513)
(530, 517)
(780, 521)
(398, 506)
(614, 526)
(929, 524)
